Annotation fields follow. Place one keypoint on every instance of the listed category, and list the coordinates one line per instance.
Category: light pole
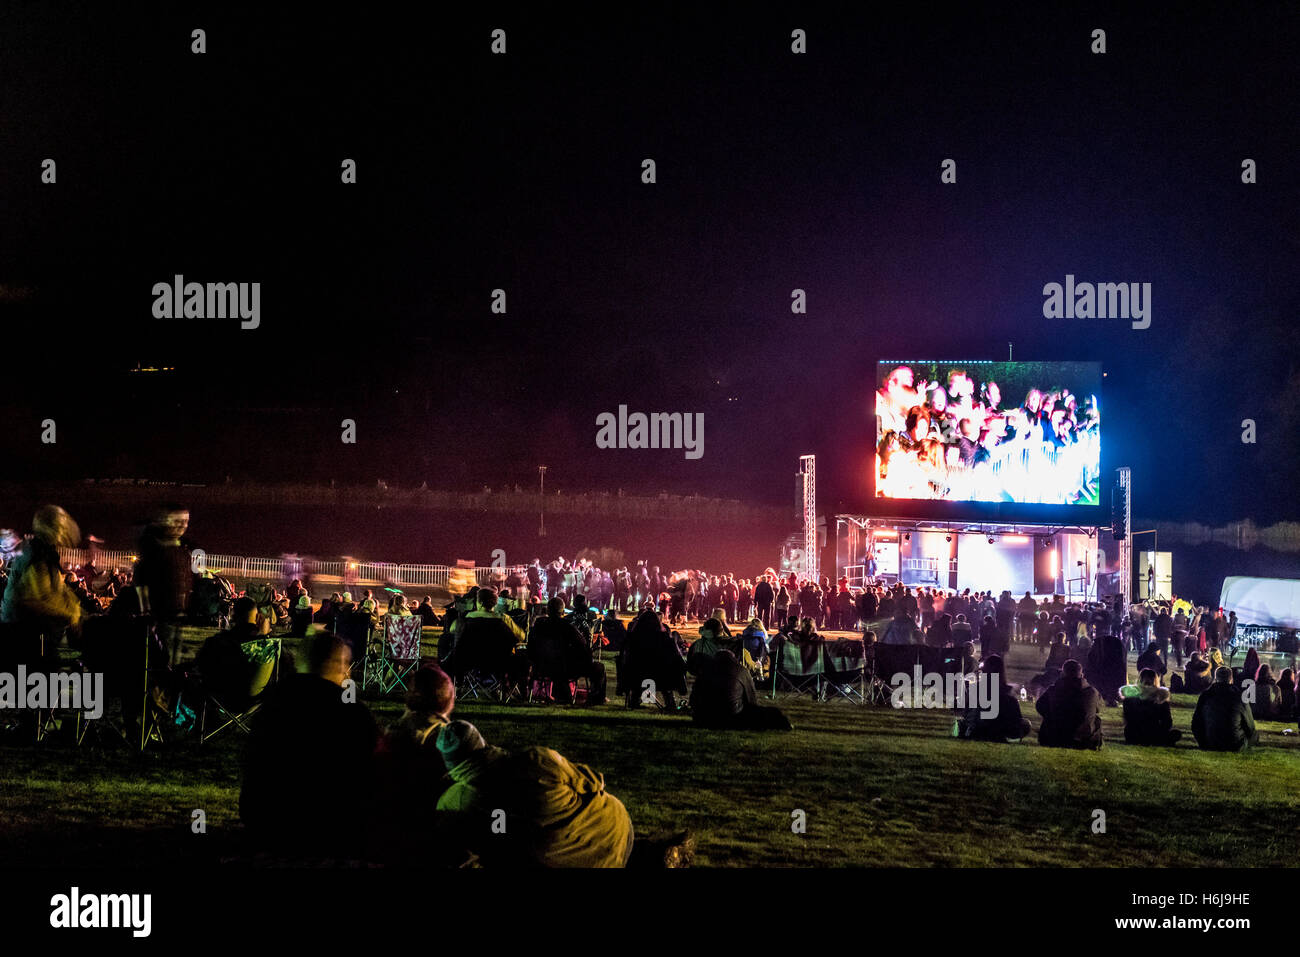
(541, 485)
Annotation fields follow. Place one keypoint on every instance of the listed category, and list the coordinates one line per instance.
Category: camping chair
(235, 697)
(845, 670)
(392, 656)
(354, 627)
(48, 720)
(483, 659)
(877, 689)
(797, 666)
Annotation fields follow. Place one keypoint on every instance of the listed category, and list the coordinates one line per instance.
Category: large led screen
(1027, 432)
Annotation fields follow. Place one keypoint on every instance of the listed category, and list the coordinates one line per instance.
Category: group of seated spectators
(343, 790)
(1224, 719)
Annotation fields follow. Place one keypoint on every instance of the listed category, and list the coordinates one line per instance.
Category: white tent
(1272, 602)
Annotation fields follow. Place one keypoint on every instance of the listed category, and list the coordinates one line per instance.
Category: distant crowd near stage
(282, 660)
(959, 432)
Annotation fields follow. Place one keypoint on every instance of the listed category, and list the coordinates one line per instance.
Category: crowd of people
(543, 635)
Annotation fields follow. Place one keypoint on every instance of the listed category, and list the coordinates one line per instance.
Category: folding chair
(797, 666)
(482, 659)
(354, 627)
(48, 720)
(877, 689)
(239, 695)
(392, 656)
(845, 670)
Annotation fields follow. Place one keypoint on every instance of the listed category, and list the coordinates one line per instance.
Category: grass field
(879, 787)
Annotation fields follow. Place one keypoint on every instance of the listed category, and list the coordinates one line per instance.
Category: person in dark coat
(1163, 629)
(764, 596)
(867, 604)
(1147, 717)
(1194, 679)
(724, 698)
(1005, 616)
(1153, 659)
(559, 654)
(1071, 711)
(1008, 725)
(1286, 685)
(308, 772)
(1267, 705)
(940, 633)
(1248, 667)
(1107, 668)
(164, 571)
(1222, 720)
(651, 654)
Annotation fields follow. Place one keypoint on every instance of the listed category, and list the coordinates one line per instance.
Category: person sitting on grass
(429, 704)
(301, 615)
(963, 657)
(1151, 658)
(409, 759)
(561, 655)
(1071, 711)
(426, 612)
(530, 808)
(1057, 655)
(1222, 720)
(1267, 705)
(1107, 668)
(1248, 667)
(1287, 686)
(1194, 679)
(724, 698)
(1147, 716)
(1004, 725)
(308, 771)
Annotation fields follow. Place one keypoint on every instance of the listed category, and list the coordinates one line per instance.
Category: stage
(1036, 558)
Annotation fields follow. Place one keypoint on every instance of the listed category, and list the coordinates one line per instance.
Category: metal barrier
(238, 566)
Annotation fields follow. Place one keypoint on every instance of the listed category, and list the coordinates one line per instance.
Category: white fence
(235, 566)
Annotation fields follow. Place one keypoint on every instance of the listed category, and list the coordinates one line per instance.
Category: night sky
(523, 172)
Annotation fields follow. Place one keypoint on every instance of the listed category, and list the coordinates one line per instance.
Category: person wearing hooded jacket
(37, 600)
(1222, 720)
(1147, 717)
(1071, 711)
(529, 808)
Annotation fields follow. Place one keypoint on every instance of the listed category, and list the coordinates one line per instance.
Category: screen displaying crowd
(1026, 432)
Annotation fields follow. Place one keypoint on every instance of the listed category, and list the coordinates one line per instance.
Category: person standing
(764, 596)
(163, 572)
(38, 603)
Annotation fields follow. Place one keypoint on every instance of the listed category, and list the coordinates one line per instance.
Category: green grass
(879, 787)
